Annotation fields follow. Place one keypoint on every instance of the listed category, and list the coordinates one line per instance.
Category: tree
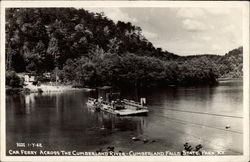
(54, 51)
(12, 79)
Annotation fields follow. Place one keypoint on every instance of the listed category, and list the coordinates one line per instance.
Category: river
(197, 115)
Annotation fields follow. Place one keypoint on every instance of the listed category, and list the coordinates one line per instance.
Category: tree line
(89, 49)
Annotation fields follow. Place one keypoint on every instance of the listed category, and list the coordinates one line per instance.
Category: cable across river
(188, 122)
(204, 113)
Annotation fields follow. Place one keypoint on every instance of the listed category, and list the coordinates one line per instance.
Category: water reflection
(62, 120)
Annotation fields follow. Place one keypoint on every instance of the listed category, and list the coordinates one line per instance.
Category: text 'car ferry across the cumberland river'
(119, 107)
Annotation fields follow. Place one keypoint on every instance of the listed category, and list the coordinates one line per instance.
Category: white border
(222, 4)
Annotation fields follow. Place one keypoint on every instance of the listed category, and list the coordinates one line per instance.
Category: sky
(184, 31)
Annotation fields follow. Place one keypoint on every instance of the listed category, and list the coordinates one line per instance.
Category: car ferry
(119, 107)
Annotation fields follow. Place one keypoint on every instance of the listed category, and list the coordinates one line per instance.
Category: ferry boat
(119, 107)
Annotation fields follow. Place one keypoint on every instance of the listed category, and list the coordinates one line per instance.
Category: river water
(197, 115)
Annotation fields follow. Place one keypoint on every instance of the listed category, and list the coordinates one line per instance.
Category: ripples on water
(198, 115)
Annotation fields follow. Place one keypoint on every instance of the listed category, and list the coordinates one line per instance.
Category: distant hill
(89, 49)
(228, 66)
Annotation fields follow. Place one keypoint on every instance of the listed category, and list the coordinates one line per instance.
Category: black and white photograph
(124, 80)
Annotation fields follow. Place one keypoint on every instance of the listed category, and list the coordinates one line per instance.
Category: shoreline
(29, 88)
(51, 88)
(225, 79)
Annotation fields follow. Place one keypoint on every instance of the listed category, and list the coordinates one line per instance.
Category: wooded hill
(90, 49)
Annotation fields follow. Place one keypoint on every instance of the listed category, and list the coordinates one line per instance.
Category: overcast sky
(185, 31)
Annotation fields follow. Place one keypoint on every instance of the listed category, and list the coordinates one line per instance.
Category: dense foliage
(231, 65)
(90, 49)
(228, 66)
(13, 80)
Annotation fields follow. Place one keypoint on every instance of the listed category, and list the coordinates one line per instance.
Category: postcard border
(242, 4)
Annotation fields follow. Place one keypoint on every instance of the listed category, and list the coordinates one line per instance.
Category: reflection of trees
(15, 105)
(21, 104)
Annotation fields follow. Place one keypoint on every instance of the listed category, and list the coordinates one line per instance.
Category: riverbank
(30, 88)
(226, 79)
(49, 88)
(11, 91)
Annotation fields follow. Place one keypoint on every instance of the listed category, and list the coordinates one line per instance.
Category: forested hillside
(228, 66)
(231, 65)
(90, 49)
